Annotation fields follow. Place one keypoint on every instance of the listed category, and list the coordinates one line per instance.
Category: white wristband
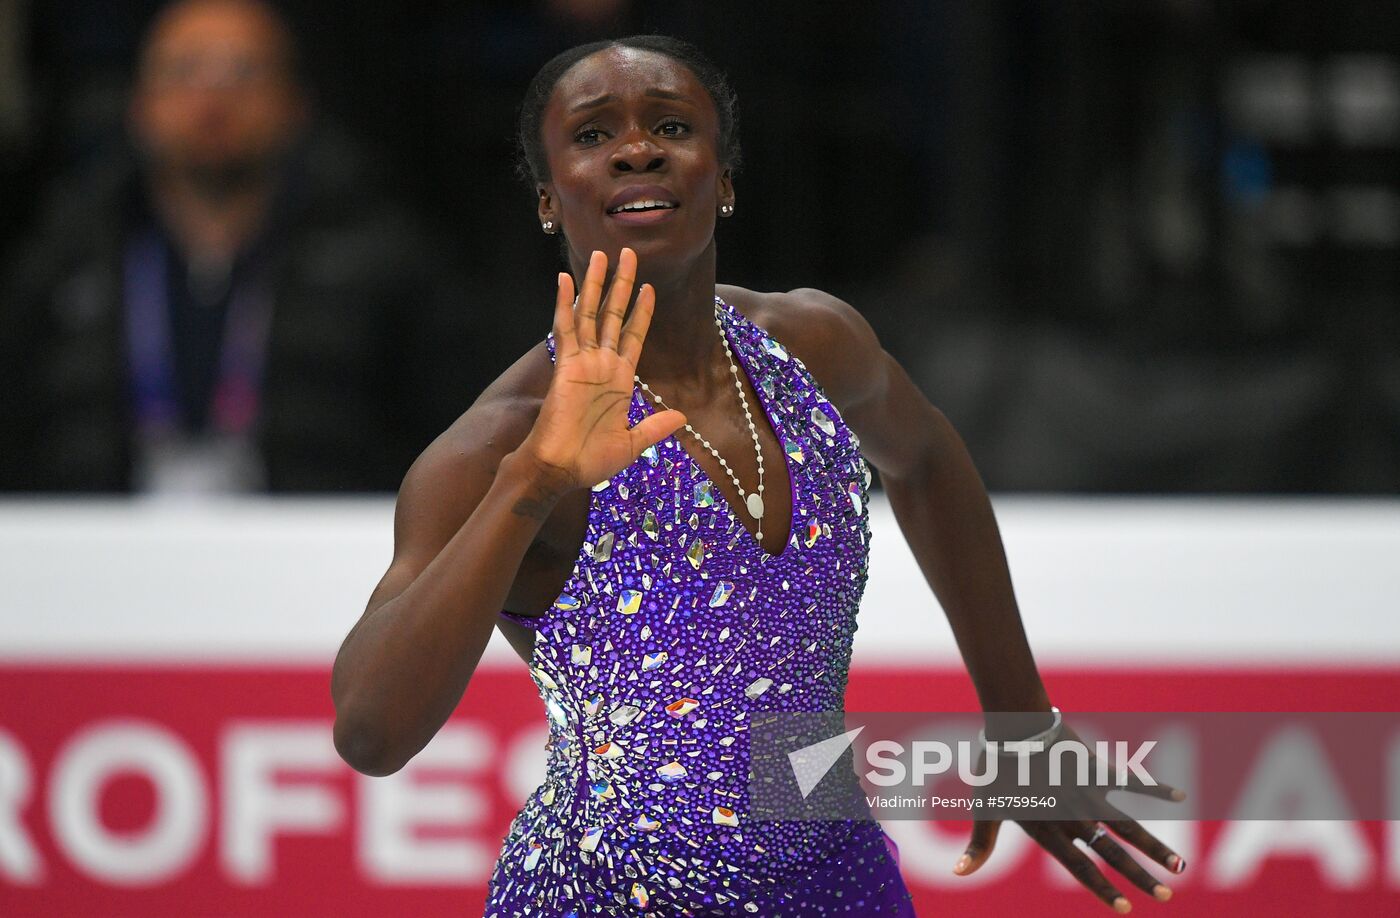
(1045, 737)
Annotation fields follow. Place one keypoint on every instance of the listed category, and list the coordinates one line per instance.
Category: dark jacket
(372, 349)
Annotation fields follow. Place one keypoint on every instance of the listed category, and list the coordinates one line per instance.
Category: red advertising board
(207, 790)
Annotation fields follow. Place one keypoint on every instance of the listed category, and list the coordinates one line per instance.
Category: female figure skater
(671, 499)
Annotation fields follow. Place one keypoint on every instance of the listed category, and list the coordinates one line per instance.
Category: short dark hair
(286, 44)
(531, 164)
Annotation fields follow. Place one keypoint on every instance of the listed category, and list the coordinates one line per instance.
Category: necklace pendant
(755, 504)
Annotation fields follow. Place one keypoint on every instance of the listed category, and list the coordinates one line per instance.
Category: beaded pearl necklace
(753, 500)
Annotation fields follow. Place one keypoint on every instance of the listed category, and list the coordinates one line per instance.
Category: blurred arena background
(1145, 256)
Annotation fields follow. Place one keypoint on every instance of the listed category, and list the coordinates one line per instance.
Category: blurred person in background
(228, 305)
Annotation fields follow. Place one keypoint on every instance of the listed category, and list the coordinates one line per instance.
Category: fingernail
(1161, 893)
(962, 864)
(1177, 863)
(1178, 794)
(1122, 906)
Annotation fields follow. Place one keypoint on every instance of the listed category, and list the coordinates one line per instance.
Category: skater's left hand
(1103, 836)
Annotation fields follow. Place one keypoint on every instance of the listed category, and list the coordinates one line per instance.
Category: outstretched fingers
(984, 838)
(1159, 790)
(565, 341)
(589, 298)
(619, 295)
(1120, 860)
(1078, 864)
(1131, 831)
(634, 333)
(654, 428)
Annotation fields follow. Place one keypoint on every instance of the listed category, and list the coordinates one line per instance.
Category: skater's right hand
(581, 436)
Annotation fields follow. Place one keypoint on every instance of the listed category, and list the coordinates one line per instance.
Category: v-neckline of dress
(732, 316)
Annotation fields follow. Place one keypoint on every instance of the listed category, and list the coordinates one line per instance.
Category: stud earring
(548, 227)
(726, 210)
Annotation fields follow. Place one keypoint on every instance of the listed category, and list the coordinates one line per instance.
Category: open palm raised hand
(582, 430)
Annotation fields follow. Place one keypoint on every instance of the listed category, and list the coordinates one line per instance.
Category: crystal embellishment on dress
(624, 714)
(682, 707)
(723, 590)
(774, 348)
(629, 601)
(608, 751)
(603, 550)
(853, 491)
(704, 494)
(566, 603)
(794, 451)
(824, 423)
(758, 687)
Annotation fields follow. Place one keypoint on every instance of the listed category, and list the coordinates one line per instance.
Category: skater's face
(631, 139)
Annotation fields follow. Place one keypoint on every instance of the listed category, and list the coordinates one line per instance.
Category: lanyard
(243, 351)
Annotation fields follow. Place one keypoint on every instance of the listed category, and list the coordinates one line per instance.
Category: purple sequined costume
(674, 627)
